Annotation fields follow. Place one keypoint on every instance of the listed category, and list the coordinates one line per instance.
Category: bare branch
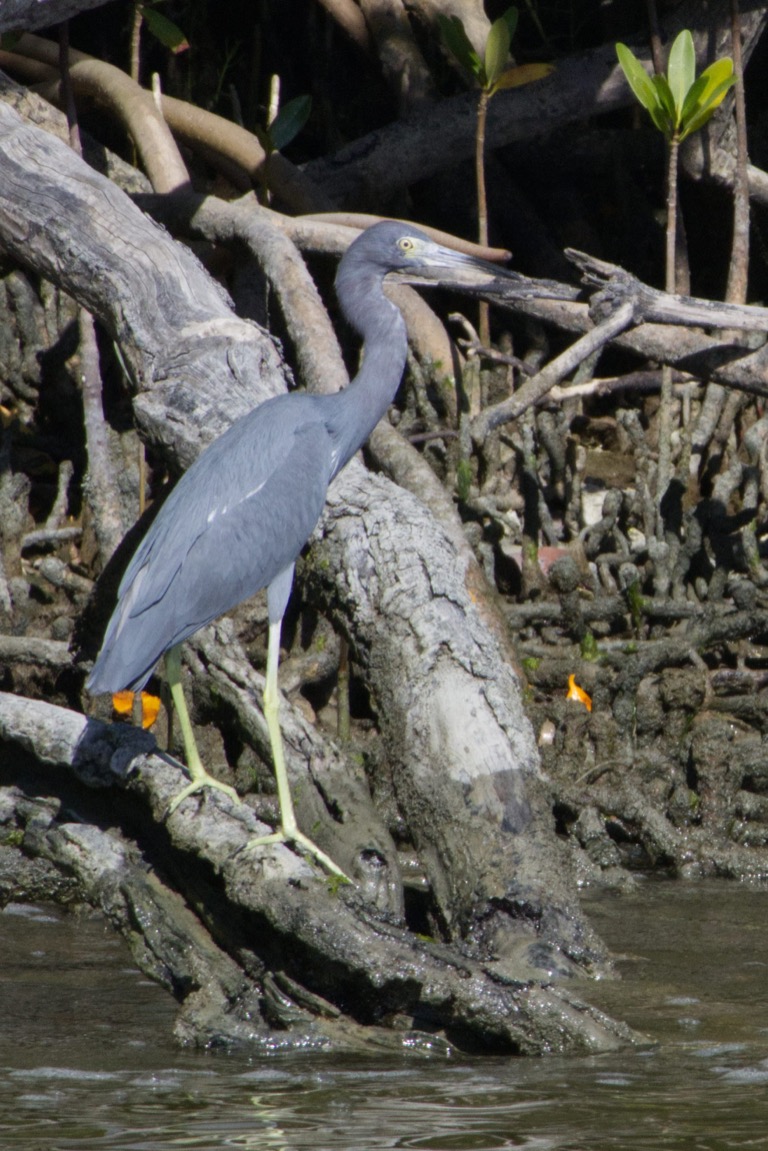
(536, 388)
(132, 104)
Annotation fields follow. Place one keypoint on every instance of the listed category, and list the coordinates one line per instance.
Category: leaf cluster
(678, 103)
(491, 72)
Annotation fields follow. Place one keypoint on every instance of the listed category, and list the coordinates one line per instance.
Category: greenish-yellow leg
(200, 777)
(289, 831)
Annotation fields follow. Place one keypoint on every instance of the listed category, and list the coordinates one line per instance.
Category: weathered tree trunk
(462, 755)
(465, 769)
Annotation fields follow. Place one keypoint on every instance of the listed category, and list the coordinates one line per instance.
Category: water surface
(87, 1060)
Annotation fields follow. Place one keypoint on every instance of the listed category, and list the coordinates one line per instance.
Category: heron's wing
(246, 545)
(239, 461)
(237, 518)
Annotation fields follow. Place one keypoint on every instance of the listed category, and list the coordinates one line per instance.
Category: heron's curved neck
(360, 406)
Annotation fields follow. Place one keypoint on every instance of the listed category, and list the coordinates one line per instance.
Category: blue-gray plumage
(238, 518)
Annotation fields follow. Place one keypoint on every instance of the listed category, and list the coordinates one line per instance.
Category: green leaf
(459, 45)
(637, 78)
(164, 30)
(511, 16)
(496, 51)
(589, 648)
(700, 115)
(661, 121)
(681, 69)
(700, 119)
(693, 101)
(721, 72)
(666, 104)
(706, 95)
(289, 121)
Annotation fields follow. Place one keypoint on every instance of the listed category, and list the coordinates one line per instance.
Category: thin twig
(736, 290)
(101, 490)
(50, 537)
(535, 389)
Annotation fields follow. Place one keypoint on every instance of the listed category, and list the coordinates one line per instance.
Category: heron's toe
(296, 838)
(199, 784)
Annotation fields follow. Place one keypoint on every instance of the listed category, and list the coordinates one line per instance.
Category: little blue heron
(238, 518)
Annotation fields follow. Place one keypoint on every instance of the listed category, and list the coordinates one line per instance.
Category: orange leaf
(522, 74)
(578, 693)
(122, 702)
(150, 708)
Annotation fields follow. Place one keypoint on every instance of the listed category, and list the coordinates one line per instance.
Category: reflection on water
(87, 1061)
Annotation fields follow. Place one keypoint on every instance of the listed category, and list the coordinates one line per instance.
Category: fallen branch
(535, 389)
(377, 975)
(655, 307)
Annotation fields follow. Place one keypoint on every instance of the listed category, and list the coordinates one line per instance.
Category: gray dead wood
(489, 846)
(300, 955)
(535, 389)
(465, 772)
(652, 306)
(39, 652)
(439, 136)
(742, 365)
(355, 838)
(662, 329)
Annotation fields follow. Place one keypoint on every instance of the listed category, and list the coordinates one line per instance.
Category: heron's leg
(272, 716)
(289, 831)
(200, 777)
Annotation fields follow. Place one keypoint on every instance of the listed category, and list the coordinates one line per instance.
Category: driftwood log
(461, 754)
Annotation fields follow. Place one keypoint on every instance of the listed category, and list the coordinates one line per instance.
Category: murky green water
(86, 1061)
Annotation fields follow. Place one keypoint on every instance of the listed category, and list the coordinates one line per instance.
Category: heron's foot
(296, 838)
(199, 781)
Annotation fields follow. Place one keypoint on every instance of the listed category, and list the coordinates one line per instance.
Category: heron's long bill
(435, 262)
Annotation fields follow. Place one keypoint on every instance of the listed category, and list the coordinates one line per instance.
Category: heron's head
(401, 248)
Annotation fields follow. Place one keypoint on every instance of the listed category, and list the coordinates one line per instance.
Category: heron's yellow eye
(405, 244)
